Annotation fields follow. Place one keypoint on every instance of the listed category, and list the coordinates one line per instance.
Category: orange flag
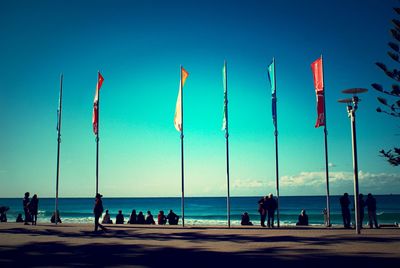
(178, 109)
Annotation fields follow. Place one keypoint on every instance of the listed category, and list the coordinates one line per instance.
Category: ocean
(204, 211)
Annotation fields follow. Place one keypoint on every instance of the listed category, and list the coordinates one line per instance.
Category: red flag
(95, 118)
(318, 75)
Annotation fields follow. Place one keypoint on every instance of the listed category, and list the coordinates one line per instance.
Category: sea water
(204, 211)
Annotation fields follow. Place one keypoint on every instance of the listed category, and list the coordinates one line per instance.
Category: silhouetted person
(161, 218)
(119, 219)
(271, 205)
(303, 219)
(344, 204)
(55, 217)
(246, 219)
(150, 218)
(33, 208)
(361, 204)
(371, 207)
(19, 218)
(262, 209)
(325, 213)
(98, 210)
(25, 206)
(173, 219)
(3, 214)
(107, 218)
(140, 218)
(133, 217)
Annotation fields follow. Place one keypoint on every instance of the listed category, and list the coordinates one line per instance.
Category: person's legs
(375, 220)
(262, 215)
(96, 222)
(26, 220)
(344, 218)
(348, 218)
(271, 215)
(370, 219)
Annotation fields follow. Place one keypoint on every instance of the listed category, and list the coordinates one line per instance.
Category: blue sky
(139, 45)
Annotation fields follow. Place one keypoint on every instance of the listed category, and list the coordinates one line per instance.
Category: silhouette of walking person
(98, 210)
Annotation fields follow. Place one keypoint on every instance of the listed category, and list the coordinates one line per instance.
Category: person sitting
(303, 219)
(149, 218)
(55, 216)
(133, 217)
(246, 219)
(173, 219)
(3, 215)
(19, 218)
(140, 218)
(106, 218)
(120, 218)
(161, 218)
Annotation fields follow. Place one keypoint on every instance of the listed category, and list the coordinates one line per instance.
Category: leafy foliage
(389, 102)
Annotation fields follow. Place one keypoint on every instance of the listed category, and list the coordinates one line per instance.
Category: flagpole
(328, 209)
(97, 136)
(58, 147)
(228, 202)
(182, 156)
(276, 150)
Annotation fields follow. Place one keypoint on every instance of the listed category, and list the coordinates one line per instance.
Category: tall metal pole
(182, 158)
(355, 163)
(276, 149)
(352, 105)
(97, 139)
(58, 147)
(328, 206)
(228, 202)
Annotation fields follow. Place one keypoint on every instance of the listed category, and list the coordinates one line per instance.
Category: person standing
(271, 206)
(98, 210)
(371, 207)
(25, 206)
(361, 204)
(33, 208)
(262, 210)
(345, 203)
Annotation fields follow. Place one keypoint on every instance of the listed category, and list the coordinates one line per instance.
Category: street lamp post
(352, 105)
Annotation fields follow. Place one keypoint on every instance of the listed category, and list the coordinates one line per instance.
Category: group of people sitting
(171, 218)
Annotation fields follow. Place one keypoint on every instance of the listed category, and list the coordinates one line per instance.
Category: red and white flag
(95, 118)
(318, 74)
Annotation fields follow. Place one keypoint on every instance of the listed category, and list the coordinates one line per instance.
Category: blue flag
(224, 78)
(271, 77)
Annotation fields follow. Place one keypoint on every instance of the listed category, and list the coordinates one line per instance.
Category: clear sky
(139, 45)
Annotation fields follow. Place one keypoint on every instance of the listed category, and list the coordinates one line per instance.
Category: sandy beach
(67, 245)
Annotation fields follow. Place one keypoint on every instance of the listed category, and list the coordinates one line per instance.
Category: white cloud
(314, 183)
